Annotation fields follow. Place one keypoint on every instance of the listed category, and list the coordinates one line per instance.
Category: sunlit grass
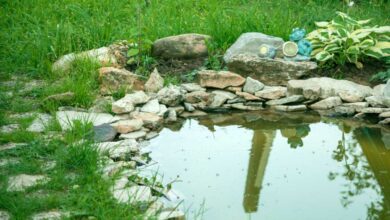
(35, 33)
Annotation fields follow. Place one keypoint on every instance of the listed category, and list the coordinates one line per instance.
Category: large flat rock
(66, 118)
(324, 87)
(270, 71)
(219, 79)
(249, 43)
(185, 46)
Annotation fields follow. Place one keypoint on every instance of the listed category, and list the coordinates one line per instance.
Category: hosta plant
(345, 40)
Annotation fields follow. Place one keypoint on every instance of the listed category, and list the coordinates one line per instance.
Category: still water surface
(256, 166)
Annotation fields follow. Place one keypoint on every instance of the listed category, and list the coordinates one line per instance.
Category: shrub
(345, 40)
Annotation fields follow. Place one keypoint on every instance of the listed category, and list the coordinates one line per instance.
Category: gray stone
(345, 110)
(102, 104)
(236, 100)
(374, 110)
(127, 104)
(113, 79)
(66, 118)
(220, 97)
(118, 149)
(198, 96)
(185, 46)
(11, 145)
(327, 103)
(257, 104)
(104, 132)
(4, 215)
(163, 110)
(40, 123)
(133, 194)
(192, 87)
(6, 129)
(189, 107)
(249, 43)
(126, 126)
(315, 88)
(155, 82)
(51, 215)
(290, 108)
(7, 161)
(178, 109)
(152, 106)
(195, 113)
(61, 97)
(219, 79)
(241, 106)
(272, 92)
(384, 114)
(150, 120)
(286, 100)
(378, 101)
(357, 106)
(171, 215)
(170, 96)
(172, 117)
(273, 72)
(385, 121)
(111, 55)
(379, 89)
(386, 90)
(252, 86)
(151, 135)
(24, 181)
(248, 96)
(113, 168)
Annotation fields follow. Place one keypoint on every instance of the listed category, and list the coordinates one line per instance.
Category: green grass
(75, 184)
(81, 79)
(35, 33)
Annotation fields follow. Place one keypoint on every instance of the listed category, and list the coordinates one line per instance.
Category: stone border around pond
(140, 115)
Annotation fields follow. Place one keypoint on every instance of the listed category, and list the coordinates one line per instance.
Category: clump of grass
(81, 79)
(171, 79)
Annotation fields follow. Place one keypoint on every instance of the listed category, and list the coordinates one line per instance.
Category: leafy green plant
(171, 79)
(345, 40)
(382, 76)
(214, 60)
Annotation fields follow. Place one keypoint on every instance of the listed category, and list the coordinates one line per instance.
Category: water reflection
(342, 159)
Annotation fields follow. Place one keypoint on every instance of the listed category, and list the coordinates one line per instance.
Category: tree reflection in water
(358, 173)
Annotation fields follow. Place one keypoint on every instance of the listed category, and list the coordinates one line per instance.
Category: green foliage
(344, 39)
(36, 33)
(382, 76)
(81, 79)
(215, 56)
(80, 129)
(120, 93)
(171, 79)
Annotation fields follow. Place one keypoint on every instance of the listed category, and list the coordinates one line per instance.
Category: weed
(81, 79)
(171, 79)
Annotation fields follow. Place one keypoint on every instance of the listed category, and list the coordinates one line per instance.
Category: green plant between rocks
(346, 40)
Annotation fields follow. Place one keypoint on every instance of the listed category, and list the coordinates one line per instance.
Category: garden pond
(276, 166)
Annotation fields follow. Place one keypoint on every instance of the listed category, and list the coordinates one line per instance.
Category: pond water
(275, 166)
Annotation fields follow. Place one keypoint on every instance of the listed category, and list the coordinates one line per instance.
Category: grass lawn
(35, 33)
